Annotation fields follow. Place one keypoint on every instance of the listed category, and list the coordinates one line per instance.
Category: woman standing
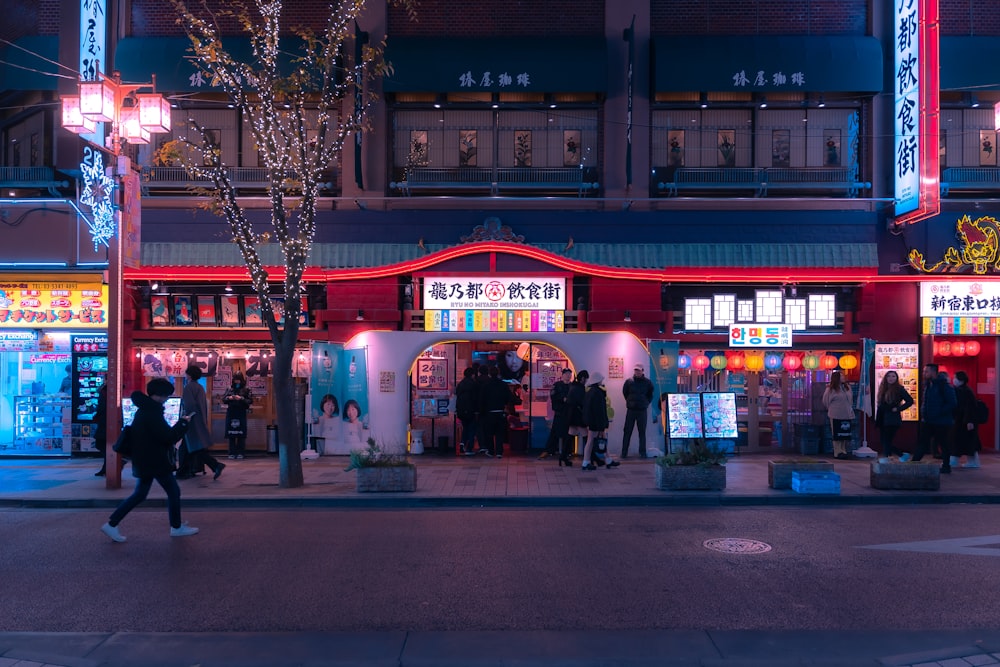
(892, 400)
(966, 436)
(574, 409)
(237, 399)
(838, 401)
(595, 413)
(198, 438)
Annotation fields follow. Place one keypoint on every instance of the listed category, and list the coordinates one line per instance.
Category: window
(822, 310)
(795, 314)
(769, 303)
(698, 314)
(744, 310)
(725, 309)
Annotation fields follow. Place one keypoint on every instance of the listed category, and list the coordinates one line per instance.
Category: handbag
(123, 445)
(842, 429)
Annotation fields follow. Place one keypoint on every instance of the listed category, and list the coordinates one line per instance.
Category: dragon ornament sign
(975, 252)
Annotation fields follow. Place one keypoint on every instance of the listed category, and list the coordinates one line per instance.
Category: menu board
(684, 416)
(720, 415)
(89, 373)
(171, 410)
(902, 358)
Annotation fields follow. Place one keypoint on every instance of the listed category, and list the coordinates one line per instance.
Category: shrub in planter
(699, 467)
(378, 471)
(779, 471)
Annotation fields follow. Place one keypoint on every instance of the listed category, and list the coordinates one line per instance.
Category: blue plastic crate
(815, 482)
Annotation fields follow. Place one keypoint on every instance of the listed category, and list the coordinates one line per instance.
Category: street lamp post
(132, 117)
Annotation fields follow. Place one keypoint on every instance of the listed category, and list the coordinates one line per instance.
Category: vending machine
(90, 372)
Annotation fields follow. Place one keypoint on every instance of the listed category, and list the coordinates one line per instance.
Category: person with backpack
(966, 435)
(937, 415)
(151, 443)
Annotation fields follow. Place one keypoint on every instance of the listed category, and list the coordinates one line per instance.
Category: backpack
(980, 412)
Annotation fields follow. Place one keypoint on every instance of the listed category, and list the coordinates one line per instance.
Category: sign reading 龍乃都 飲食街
(53, 304)
(494, 303)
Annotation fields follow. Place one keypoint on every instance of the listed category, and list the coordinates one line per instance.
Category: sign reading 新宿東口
(760, 335)
(493, 303)
(960, 298)
(50, 305)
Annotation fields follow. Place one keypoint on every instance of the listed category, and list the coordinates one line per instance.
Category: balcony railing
(970, 179)
(487, 181)
(246, 180)
(760, 182)
(42, 179)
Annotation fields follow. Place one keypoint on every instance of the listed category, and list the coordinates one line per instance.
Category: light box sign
(51, 305)
(494, 293)
(960, 299)
(760, 335)
(903, 359)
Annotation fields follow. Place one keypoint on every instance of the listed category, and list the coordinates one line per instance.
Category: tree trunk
(289, 437)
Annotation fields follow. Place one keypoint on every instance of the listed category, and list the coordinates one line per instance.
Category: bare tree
(292, 102)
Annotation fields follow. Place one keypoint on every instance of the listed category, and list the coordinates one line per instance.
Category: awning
(541, 65)
(762, 64)
(170, 58)
(30, 63)
(970, 63)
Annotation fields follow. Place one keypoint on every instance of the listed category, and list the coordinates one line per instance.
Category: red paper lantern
(944, 349)
(736, 362)
(958, 348)
(828, 362)
(935, 348)
(792, 362)
(972, 348)
(700, 362)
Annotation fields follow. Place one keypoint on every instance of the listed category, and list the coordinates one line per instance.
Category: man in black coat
(494, 397)
(466, 407)
(638, 392)
(559, 435)
(152, 440)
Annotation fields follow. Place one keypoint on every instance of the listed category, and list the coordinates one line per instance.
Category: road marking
(968, 546)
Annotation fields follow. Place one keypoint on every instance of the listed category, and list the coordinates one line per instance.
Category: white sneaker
(112, 532)
(904, 458)
(972, 461)
(183, 531)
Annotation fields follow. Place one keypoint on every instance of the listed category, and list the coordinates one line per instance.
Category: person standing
(559, 434)
(198, 438)
(494, 396)
(152, 440)
(101, 428)
(238, 400)
(891, 400)
(838, 401)
(595, 413)
(66, 386)
(966, 435)
(466, 405)
(574, 410)
(638, 392)
(937, 415)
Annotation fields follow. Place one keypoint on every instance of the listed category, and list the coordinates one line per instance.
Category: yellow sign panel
(52, 304)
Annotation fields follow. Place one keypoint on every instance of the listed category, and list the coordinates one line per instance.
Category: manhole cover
(735, 545)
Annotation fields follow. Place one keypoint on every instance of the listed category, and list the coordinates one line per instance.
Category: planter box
(394, 478)
(779, 473)
(816, 482)
(909, 476)
(690, 478)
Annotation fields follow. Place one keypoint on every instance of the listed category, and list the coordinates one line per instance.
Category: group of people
(153, 442)
(948, 424)
(483, 404)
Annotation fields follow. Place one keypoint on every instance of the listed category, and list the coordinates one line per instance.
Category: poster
(684, 416)
(616, 367)
(904, 359)
(719, 415)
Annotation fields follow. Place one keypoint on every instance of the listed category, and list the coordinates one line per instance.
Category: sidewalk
(514, 481)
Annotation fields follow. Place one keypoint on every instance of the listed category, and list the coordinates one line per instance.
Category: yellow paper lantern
(848, 362)
(755, 362)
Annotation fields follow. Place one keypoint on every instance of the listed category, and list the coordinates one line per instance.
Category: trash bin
(272, 439)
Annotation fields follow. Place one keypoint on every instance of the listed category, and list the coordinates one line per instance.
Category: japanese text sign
(494, 293)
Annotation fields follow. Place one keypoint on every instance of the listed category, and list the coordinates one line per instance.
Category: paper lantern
(944, 349)
(718, 362)
(755, 362)
(848, 362)
(792, 362)
(683, 361)
(810, 362)
(772, 361)
(737, 362)
(828, 362)
(958, 348)
(972, 348)
(700, 362)
(935, 348)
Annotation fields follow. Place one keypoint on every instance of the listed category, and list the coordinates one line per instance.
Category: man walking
(638, 392)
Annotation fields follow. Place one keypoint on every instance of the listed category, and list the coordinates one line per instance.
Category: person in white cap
(638, 392)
